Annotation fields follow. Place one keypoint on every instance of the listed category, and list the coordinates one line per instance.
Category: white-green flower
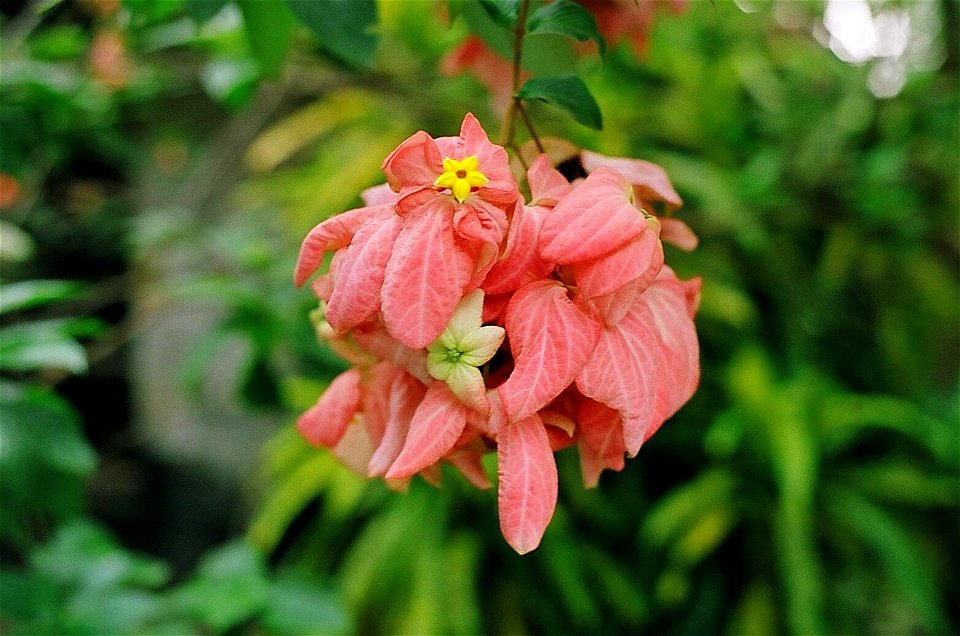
(464, 346)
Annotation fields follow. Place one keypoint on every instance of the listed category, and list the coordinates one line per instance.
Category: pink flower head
(629, 19)
(479, 323)
(411, 257)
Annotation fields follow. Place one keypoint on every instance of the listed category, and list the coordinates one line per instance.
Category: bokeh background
(159, 164)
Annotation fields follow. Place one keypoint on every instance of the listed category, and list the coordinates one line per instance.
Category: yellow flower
(460, 176)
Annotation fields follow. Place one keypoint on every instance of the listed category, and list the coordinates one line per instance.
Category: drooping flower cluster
(478, 322)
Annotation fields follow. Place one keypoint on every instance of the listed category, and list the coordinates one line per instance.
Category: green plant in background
(83, 582)
(810, 486)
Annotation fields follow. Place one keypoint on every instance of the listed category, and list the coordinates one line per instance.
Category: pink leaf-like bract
(641, 259)
(469, 462)
(595, 218)
(650, 182)
(668, 299)
(354, 448)
(520, 263)
(551, 339)
(425, 278)
(381, 194)
(611, 308)
(356, 289)
(375, 404)
(415, 162)
(436, 425)
(527, 492)
(405, 396)
(601, 441)
(326, 421)
(330, 235)
(678, 233)
(501, 189)
(625, 373)
(547, 185)
(374, 339)
(481, 222)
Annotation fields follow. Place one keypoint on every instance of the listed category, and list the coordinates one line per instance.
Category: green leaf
(31, 293)
(59, 43)
(15, 244)
(503, 12)
(543, 53)
(202, 10)
(230, 82)
(498, 38)
(268, 24)
(229, 588)
(344, 28)
(678, 510)
(39, 345)
(568, 93)
(85, 556)
(298, 606)
(900, 557)
(567, 18)
(548, 54)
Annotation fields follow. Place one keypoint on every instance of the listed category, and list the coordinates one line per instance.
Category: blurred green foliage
(82, 582)
(811, 486)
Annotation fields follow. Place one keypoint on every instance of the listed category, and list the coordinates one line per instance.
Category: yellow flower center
(461, 176)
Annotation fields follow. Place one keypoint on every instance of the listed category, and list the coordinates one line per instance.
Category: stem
(516, 151)
(519, 30)
(529, 124)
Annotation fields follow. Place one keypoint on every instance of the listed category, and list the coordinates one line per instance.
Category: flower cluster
(478, 322)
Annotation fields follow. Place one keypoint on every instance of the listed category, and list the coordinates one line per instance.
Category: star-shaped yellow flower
(460, 176)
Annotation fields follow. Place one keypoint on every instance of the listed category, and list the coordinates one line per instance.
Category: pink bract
(478, 323)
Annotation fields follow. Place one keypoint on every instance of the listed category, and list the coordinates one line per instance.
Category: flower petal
(466, 382)
(326, 421)
(481, 344)
(434, 429)
(527, 492)
(440, 365)
(551, 340)
(466, 318)
(595, 218)
(424, 280)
